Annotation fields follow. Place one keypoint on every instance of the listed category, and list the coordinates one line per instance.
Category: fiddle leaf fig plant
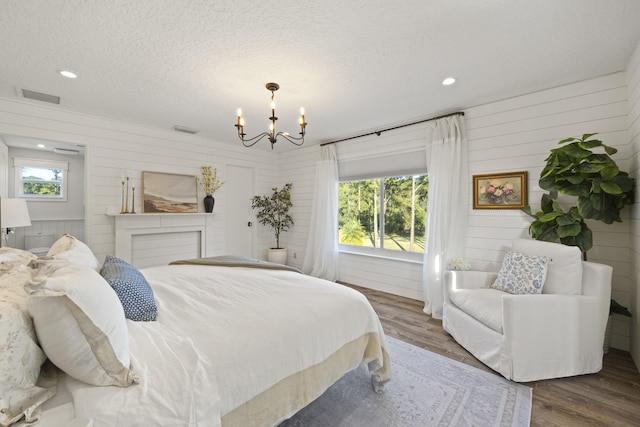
(583, 168)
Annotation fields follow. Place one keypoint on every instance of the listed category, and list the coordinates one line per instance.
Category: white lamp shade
(14, 213)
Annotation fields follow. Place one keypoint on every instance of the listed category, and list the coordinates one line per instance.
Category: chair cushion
(522, 274)
(484, 305)
(564, 275)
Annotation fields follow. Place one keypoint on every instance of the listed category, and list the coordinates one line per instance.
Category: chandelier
(272, 134)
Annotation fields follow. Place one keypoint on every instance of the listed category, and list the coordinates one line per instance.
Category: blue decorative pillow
(522, 273)
(132, 289)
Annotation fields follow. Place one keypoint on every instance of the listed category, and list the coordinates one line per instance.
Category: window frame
(381, 252)
(20, 163)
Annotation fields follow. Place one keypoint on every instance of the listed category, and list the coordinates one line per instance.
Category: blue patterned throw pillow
(522, 273)
(132, 289)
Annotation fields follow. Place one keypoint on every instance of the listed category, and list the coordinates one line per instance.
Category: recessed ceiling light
(69, 74)
(42, 146)
(448, 81)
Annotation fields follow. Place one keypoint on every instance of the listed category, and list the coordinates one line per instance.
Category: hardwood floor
(608, 398)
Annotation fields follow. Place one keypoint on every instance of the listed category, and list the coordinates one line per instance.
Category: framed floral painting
(500, 190)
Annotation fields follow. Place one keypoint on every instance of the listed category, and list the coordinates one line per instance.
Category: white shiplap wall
(115, 148)
(510, 135)
(517, 134)
(514, 134)
(299, 167)
(633, 106)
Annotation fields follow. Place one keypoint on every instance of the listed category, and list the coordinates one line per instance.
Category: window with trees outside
(41, 183)
(386, 214)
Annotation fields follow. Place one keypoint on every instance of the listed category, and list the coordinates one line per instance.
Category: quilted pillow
(70, 249)
(131, 287)
(522, 273)
(81, 326)
(20, 356)
(13, 256)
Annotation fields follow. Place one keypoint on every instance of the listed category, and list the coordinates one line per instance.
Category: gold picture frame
(506, 190)
(169, 193)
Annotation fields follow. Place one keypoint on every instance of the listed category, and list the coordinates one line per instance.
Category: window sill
(379, 256)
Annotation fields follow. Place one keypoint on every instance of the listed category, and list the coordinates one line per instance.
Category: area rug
(426, 389)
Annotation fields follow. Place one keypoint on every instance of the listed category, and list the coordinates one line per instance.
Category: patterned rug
(426, 389)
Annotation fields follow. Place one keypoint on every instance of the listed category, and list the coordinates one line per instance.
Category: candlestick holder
(133, 200)
(126, 206)
(122, 211)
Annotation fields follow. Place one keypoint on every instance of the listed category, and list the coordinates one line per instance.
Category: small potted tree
(273, 211)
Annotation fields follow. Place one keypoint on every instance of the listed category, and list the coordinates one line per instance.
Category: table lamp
(13, 213)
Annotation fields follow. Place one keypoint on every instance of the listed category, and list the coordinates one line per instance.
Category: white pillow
(522, 274)
(70, 249)
(564, 275)
(81, 326)
(20, 356)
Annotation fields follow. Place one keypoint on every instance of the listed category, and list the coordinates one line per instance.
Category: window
(40, 179)
(384, 213)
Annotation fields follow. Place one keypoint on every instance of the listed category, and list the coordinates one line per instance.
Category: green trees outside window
(41, 182)
(385, 213)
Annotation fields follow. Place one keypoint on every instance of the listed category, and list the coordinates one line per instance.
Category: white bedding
(225, 336)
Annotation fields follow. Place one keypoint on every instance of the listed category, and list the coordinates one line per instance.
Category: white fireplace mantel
(156, 239)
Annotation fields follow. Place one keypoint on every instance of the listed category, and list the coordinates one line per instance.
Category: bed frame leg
(378, 386)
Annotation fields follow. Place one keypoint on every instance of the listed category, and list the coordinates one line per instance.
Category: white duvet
(223, 336)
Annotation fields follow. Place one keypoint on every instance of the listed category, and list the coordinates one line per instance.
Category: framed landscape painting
(169, 193)
(500, 190)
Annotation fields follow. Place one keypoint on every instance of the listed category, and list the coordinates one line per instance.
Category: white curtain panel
(447, 205)
(321, 256)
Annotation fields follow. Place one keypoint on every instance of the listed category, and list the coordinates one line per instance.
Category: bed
(231, 344)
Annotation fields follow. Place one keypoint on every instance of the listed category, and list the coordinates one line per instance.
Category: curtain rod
(378, 132)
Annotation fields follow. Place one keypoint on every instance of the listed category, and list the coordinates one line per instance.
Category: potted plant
(273, 211)
(600, 189)
(209, 183)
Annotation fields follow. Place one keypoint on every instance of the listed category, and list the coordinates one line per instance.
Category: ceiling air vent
(38, 96)
(66, 151)
(184, 129)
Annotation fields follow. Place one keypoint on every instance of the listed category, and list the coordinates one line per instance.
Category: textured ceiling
(355, 65)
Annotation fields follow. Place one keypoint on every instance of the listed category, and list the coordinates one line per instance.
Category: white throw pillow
(20, 356)
(522, 274)
(68, 248)
(564, 274)
(81, 326)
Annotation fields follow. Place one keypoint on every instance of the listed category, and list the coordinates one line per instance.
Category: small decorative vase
(209, 201)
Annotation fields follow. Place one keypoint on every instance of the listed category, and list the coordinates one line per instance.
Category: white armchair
(557, 333)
